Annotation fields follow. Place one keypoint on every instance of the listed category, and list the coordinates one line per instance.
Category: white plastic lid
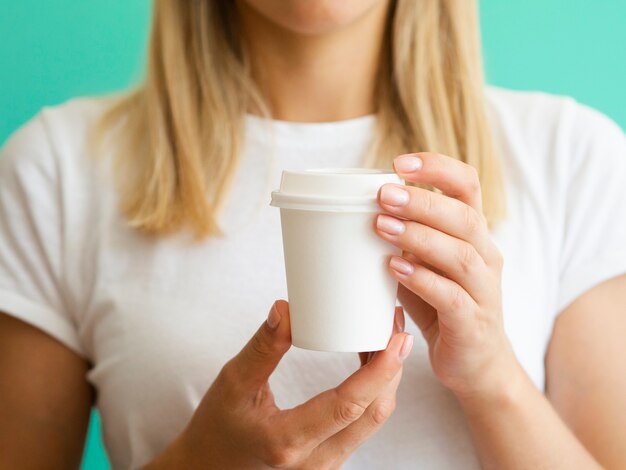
(332, 189)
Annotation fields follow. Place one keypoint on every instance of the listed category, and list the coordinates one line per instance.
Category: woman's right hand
(238, 425)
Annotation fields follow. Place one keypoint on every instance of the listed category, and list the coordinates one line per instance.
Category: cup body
(341, 296)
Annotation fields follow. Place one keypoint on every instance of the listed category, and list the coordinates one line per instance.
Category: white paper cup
(341, 295)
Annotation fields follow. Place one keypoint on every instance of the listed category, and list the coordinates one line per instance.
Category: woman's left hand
(449, 271)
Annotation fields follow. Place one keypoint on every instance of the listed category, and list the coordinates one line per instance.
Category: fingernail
(394, 195)
(401, 265)
(389, 225)
(273, 319)
(407, 345)
(407, 164)
(399, 320)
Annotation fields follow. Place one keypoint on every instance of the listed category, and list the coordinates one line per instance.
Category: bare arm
(586, 371)
(581, 426)
(450, 274)
(46, 401)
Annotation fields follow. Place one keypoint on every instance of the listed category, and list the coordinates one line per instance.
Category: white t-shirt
(158, 318)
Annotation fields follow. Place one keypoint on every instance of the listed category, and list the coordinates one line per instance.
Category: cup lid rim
(332, 189)
(342, 172)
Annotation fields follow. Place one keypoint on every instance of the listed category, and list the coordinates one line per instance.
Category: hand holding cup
(238, 425)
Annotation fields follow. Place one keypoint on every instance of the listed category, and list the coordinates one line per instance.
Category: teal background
(54, 49)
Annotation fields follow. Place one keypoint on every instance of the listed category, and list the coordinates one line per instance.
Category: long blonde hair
(182, 128)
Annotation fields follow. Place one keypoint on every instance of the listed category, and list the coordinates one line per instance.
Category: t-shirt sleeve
(31, 235)
(594, 238)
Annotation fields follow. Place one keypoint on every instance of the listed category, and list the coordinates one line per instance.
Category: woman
(134, 280)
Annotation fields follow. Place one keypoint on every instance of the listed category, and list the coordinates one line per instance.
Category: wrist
(173, 456)
(504, 389)
(500, 381)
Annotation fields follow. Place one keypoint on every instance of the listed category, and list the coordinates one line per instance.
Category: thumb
(260, 356)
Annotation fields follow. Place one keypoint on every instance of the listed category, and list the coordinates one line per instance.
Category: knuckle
(390, 369)
(466, 256)
(473, 221)
(347, 411)
(426, 203)
(259, 346)
(430, 280)
(281, 455)
(382, 411)
(457, 300)
(420, 236)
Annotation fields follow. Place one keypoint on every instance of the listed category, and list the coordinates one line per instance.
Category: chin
(313, 17)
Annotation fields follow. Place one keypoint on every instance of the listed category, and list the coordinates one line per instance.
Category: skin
(46, 401)
(238, 424)
(450, 275)
(330, 49)
(316, 61)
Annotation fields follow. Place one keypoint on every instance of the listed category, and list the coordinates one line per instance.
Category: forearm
(517, 427)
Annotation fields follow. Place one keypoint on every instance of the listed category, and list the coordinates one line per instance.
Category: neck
(316, 78)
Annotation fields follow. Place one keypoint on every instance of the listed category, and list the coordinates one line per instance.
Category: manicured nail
(394, 195)
(273, 319)
(407, 164)
(401, 265)
(407, 345)
(389, 224)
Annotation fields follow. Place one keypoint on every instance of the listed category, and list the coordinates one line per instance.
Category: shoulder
(65, 123)
(48, 163)
(541, 125)
(53, 138)
(71, 120)
(534, 110)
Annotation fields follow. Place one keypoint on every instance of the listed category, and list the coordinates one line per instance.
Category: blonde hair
(182, 129)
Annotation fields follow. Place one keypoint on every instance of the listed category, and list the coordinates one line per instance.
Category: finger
(421, 312)
(398, 321)
(453, 177)
(453, 304)
(343, 444)
(455, 258)
(398, 327)
(308, 425)
(364, 358)
(257, 360)
(440, 212)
